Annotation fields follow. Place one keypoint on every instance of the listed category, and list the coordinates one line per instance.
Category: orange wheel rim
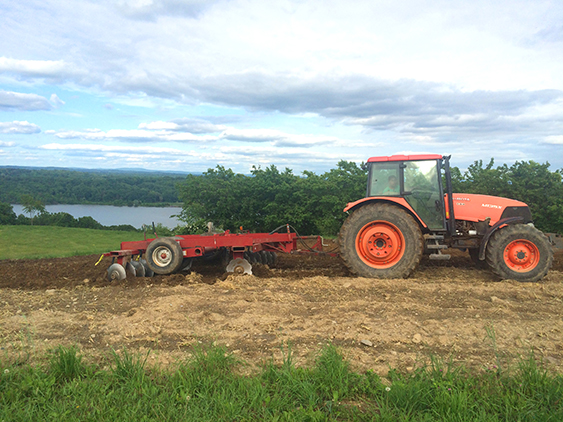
(380, 244)
(521, 255)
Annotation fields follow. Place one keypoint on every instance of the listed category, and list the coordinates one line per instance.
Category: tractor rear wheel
(519, 252)
(164, 255)
(381, 241)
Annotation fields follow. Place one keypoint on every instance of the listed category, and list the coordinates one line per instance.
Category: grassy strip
(19, 242)
(209, 387)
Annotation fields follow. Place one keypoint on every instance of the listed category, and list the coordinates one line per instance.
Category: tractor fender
(494, 228)
(401, 202)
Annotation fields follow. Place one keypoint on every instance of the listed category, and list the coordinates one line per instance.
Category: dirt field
(306, 301)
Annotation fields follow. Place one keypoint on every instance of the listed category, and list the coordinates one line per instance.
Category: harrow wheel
(381, 241)
(116, 272)
(519, 252)
(164, 255)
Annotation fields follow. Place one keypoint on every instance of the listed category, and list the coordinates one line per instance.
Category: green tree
(541, 189)
(7, 214)
(32, 206)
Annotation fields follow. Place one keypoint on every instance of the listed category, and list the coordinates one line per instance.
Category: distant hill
(109, 171)
(90, 186)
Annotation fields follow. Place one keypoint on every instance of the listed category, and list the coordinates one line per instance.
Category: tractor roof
(417, 157)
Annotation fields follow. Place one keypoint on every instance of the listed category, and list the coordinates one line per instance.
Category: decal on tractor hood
(491, 206)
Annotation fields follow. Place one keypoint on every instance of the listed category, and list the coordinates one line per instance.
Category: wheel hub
(162, 256)
(380, 244)
(521, 255)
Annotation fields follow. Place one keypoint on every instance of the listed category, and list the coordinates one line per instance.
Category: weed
(66, 364)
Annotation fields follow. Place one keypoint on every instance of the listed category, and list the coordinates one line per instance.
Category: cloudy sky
(190, 84)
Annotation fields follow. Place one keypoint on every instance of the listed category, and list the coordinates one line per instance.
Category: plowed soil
(306, 301)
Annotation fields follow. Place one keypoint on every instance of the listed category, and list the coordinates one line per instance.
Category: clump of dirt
(305, 300)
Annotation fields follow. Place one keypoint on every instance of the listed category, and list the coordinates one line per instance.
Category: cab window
(384, 179)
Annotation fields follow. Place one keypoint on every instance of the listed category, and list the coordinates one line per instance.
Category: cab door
(423, 192)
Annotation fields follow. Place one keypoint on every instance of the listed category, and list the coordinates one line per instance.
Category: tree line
(79, 187)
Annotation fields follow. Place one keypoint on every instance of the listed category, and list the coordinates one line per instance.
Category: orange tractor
(408, 212)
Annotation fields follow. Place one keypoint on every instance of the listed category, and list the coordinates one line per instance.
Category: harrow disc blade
(139, 268)
(148, 271)
(239, 266)
(116, 272)
(130, 269)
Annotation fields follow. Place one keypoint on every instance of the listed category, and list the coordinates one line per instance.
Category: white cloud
(7, 144)
(17, 127)
(113, 149)
(10, 101)
(161, 131)
(554, 139)
(152, 9)
(56, 101)
(135, 135)
(36, 68)
(253, 135)
(160, 125)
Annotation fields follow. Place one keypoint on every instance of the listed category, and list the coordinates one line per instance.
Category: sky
(186, 85)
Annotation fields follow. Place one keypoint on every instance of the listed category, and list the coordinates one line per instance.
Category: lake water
(109, 215)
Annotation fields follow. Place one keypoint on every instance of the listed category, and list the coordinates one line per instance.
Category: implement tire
(164, 255)
(381, 241)
(519, 252)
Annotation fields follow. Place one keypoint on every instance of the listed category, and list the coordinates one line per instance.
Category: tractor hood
(473, 207)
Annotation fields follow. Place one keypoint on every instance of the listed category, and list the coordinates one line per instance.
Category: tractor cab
(414, 179)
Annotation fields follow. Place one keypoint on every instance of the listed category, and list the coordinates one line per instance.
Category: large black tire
(381, 241)
(519, 252)
(164, 255)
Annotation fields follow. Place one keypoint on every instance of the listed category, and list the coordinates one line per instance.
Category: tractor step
(434, 237)
(439, 257)
(437, 246)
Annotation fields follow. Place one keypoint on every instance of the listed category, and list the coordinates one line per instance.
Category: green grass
(209, 386)
(19, 242)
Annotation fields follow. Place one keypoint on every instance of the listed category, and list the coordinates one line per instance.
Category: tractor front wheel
(519, 252)
(381, 241)
(164, 255)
